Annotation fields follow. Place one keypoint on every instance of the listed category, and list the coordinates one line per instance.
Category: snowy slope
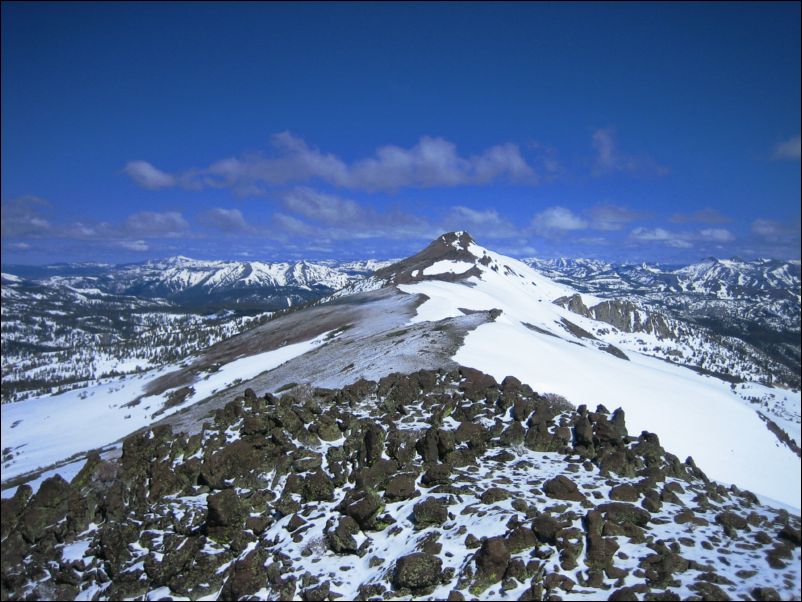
(693, 415)
(40, 432)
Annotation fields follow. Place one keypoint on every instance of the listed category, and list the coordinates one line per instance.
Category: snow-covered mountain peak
(593, 351)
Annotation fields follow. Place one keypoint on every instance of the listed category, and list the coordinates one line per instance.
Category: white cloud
(650, 234)
(432, 162)
(679, 243)
(24, 216)
(789, 149)
(707, 215)
(325, 208)
(153, 224)
(681, 240)
(556, 220)
(287, 224)
(226, 220)
(148, 176)
(775, 231)
(766, 227)
(661, 235)
(716, 235)
(133, 245)
(611, 217)
(486, 222)
(779, 239)
(435, 162)
(593, 240)
(19, 246)
(609, 159)
(331, 217)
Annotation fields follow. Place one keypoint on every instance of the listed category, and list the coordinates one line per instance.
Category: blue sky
(629, 132)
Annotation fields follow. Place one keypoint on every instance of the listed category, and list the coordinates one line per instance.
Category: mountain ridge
(456, 295)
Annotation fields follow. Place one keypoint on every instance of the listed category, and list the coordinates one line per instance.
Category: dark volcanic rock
(45, 509)
(364, 507)
(562, 488)
(789, 534)
(263, 459)
(247, 577)
(437, 474)
(237, 459)
(430, 511)
(598, 550)
(519, 539)
(731, 522)
(624, 493)
(545, 528)
(317, 487)
(620, 512)
(224, 509)
(491, 563)
(341, 538)
(401, 487)
(417, 571)
(494, 494)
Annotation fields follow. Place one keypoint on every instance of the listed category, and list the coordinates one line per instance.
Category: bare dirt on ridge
(373, 339)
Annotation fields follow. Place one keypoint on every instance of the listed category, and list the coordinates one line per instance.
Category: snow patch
(447, 266)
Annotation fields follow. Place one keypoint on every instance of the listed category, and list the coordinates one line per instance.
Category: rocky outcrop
(621, 313)
(461, 487)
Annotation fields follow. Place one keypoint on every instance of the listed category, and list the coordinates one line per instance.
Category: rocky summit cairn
(431, 485)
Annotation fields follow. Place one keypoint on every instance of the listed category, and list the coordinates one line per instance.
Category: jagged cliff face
(624, 315)
(430, 485)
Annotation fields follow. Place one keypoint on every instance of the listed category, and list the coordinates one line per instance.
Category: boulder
(401, 487)
(491, 563)
(341, 538)
(363, 506)
(519, 539)
(545, 528)
(430, 511)
(437, 474)
(234, 461)
(317, 487)
(562, 488)
(246, 578)
(621, 512)
(494, 494)
(624, 493)
(731, 522)
(417, 571)
(46, 509)
(223, 509)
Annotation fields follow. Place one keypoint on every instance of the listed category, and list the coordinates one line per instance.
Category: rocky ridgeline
(430, 485)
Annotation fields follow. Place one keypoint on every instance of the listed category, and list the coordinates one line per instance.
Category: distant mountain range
(182, 278)
(206, 285)
(713, 278)
(59, 319)
(756, 301)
